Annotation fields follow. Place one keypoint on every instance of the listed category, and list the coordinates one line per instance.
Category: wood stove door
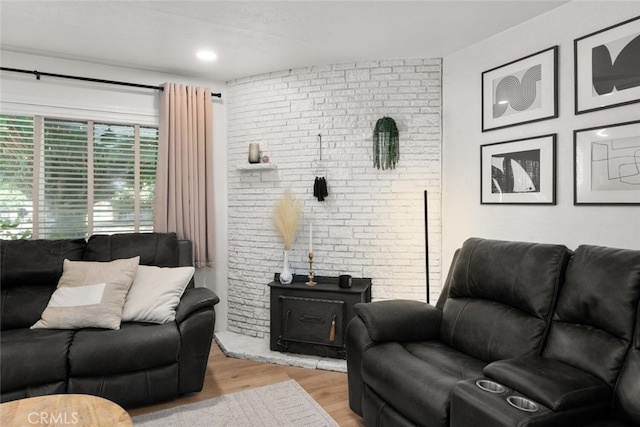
(312, 320)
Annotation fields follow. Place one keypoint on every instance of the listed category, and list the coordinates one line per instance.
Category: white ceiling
(255, 37)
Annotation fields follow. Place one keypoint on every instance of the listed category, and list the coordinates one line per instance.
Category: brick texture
(372, 222)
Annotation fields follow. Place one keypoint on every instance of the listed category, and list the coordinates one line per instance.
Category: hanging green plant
(386, 144)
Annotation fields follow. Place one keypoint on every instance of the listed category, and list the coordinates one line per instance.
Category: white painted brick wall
(372, 222)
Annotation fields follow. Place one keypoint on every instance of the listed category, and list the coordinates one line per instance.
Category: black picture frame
(521, 91)
(597, 81)
(521, 171)
(606, 164)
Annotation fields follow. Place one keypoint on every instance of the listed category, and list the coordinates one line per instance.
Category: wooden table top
(54, 410)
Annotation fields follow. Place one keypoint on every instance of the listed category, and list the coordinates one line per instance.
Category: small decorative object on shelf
(344, 281)
(254, 153)
(265, 158)
(386, 144)
(286, 217)
(286, 276)
(310, 282)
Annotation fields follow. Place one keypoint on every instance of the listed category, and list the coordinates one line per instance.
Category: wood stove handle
(286, 321)
(332, 331)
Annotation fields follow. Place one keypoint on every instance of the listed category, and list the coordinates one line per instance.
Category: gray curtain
(184, 177)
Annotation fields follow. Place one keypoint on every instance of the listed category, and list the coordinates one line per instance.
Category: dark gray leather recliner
(508, 315)
(138, 364)
(577, 377)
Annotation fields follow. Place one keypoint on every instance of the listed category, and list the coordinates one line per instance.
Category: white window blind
(63, 182)
(82, 177)
(16, 177)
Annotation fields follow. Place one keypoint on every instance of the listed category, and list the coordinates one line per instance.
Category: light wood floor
(227, 375)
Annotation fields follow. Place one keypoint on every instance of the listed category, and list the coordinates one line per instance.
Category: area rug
(281, 404)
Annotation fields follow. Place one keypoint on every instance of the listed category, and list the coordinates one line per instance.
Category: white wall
(22, 93)
(463, 215)
(372, 223)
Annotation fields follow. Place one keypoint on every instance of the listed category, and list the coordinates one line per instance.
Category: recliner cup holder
(490, 386)
(522, 403)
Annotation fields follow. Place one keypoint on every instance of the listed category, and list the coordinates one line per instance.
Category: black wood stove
(313, 319)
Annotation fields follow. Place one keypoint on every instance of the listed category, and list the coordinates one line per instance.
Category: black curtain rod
(39, 74)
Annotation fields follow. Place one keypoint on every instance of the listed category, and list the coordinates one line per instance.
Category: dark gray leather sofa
(548, 329)
(138, 364)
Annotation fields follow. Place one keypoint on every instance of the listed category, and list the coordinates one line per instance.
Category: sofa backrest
(159, 249)
(594, 319)
(30, 269)
(29, 273)
(501, 297)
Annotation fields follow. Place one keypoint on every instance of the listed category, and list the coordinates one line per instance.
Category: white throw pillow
(89, 295)
(155, 294)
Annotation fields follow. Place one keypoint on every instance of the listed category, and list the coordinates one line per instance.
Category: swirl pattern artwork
(521, 91)
(520, 94)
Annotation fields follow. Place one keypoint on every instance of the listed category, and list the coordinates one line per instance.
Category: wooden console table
(313, 319)
(63, 410)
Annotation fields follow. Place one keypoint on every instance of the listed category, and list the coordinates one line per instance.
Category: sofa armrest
(556, 385)
(196, 318)
(400, 320)
(195, 299)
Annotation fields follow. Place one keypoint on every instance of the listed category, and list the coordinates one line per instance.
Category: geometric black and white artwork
(607, 67)
(516, 172)
(607, 164)
(517, 92)
(520, 171)
(521, 91)
(615, 164)
(616, 65)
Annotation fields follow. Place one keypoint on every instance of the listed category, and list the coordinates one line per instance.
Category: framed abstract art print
(607, 67)
(519, 172)
(606, 166)
(522, 91)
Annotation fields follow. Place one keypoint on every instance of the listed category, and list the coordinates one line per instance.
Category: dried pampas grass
(286, 217)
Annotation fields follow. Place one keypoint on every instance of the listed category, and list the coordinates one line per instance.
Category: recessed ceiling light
(206, 55)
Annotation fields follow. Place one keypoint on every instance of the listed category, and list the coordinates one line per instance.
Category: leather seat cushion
(417, 379)
(30, 357)
(133, 347)
(556, 385)
(447, 359)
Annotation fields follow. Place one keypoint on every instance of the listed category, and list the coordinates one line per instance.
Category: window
(64, 179)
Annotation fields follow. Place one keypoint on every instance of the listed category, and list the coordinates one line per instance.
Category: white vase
(286, 277)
